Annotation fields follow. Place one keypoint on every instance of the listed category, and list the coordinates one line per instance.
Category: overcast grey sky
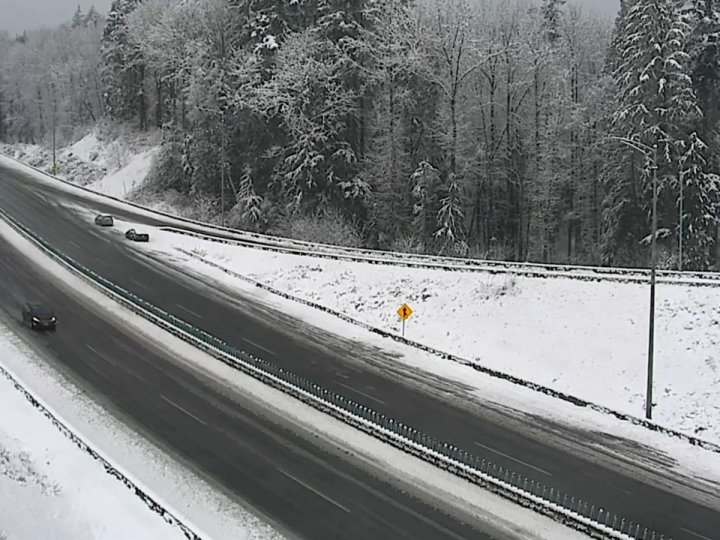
(17, 15)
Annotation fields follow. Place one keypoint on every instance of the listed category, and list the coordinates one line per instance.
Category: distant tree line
(513, 129)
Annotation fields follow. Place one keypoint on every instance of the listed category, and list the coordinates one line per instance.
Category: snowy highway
(281, 474)
(171, 403)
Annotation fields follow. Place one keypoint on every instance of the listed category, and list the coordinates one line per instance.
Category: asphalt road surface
(306, 488)
(645, 493)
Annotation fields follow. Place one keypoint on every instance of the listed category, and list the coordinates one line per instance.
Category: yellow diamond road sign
(404, 311)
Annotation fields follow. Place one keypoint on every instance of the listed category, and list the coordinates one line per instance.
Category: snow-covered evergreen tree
(78, 19)
(656, 104)
(700, 205)
(451, 220)
(552, 12)
(123, 66)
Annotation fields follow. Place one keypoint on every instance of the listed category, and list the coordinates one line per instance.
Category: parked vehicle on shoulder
(135, 236)
(38, 316)
(104, 220)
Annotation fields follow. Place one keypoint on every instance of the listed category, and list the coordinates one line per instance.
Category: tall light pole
(222, 168)
(651, 155)
(653, 265)
(54, 126)
(680, 224)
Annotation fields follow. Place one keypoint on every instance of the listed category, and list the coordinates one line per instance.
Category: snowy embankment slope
(111, 167)
(49, 488)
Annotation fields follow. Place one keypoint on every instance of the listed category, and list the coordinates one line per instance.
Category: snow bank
(50, 489)
(123, 181)
(110, 167)
(88, 148)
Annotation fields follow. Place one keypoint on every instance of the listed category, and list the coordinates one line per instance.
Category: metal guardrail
(142, 493)
(275, 243)
(562, 507)
(516, 269)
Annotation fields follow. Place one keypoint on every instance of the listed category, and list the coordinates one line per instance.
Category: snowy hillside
(111, 166)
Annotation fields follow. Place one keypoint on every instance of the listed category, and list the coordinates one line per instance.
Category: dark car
(104, 220)
(135, 236)
(39, 316)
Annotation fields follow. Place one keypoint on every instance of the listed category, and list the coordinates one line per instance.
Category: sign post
(404, 312)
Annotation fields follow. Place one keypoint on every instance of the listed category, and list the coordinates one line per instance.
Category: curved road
(307, 489)
(368, 376)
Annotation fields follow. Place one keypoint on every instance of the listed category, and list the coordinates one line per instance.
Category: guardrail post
(622, 524)
(614, 525)
(525, 484)
(637, 531)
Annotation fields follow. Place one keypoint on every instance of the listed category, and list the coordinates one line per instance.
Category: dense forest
(511, 129)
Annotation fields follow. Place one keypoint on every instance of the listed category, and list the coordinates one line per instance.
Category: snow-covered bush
(327, 227)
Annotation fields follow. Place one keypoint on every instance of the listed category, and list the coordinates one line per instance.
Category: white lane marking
(362, 393)
(75, 244)
(513, 459)
(178, 407)
(119, 365)
(315, 491)
(93, 349)
(190, 311)
(697, 535)
(258, 346)
(138, 284)
(625, 491)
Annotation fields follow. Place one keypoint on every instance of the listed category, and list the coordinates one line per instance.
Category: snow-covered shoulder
(45, 475)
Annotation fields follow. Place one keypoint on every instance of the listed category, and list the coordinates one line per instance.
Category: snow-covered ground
(109, 166)
(50, 489)
(217, 516)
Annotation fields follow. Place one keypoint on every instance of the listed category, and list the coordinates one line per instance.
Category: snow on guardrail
(518, 269)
